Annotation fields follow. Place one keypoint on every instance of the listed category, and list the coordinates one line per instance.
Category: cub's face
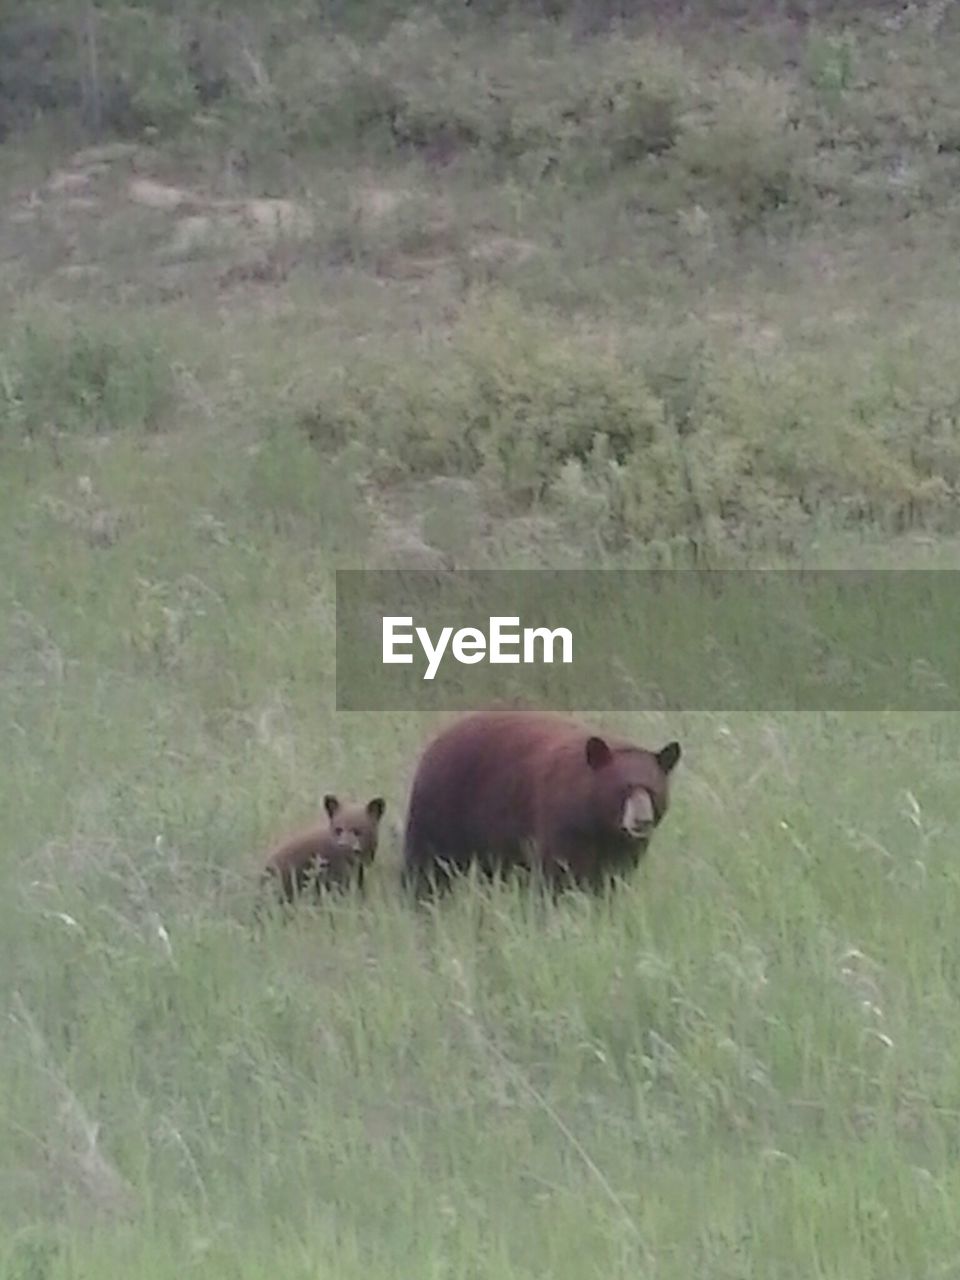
(355, 828)
(632, 788)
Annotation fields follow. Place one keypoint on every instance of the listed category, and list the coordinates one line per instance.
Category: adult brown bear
(518, 788)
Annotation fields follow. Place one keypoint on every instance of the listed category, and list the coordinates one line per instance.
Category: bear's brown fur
(517, 788)
(327, 855)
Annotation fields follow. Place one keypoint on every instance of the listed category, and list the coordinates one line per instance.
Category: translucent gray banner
(712, 640)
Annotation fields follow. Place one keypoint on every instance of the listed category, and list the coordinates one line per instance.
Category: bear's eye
(338, 831)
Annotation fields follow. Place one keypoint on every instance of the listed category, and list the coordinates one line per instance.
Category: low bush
(537, 103)
(748, 147)
(70, 376)
(122, 67)
(426, 86)
(645, 439)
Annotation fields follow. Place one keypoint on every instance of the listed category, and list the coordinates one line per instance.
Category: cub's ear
(668, 756)
(598, 753)
(376, 807)
(331, 804)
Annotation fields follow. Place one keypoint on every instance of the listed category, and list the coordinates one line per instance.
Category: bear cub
(331, 855)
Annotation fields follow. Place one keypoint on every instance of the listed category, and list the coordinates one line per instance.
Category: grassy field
(432, 294)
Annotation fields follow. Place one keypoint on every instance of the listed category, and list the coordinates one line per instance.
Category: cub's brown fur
(327, 855)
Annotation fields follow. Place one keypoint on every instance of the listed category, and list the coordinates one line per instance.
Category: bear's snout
(638, 816)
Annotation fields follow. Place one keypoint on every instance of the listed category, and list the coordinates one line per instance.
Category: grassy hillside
(465, 286)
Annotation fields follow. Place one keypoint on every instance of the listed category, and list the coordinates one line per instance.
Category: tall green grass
(741, 1064)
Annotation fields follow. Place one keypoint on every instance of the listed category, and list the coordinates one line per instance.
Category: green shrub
(534, 416)
(440, 94)
(533, 103)
(153, 85)
(331, 92)
(539, 400)
(831, 62)
(645, 90)
(654, 439)
(408, 414)
(82, 377)
(125, 66)
(611, 101)
(746, 147)
(38, 68)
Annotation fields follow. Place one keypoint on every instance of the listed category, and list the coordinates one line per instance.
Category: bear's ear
(668, 756)
(376, 807)
(331, 804)
(598, 753)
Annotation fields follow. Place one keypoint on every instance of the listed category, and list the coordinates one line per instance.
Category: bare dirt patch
(158, 195)
(503, 251)
(66, 181)
(376, 203)
(200, 220)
